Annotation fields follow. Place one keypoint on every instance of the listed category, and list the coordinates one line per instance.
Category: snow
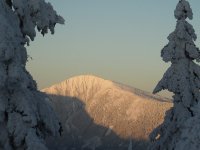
(92, 143)
(183, 10)
(36, 13)
(179, 129)
(90, 106)
(25, 117)
(130, 147)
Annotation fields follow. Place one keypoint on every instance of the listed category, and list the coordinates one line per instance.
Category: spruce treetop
(181, 46)
(183, 10)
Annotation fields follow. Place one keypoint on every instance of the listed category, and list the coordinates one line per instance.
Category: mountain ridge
(122, 86)
(93, 107)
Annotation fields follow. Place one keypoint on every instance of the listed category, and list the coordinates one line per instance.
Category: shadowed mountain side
(80, 132)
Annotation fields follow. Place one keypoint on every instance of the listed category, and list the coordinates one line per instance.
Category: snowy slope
(94, 110)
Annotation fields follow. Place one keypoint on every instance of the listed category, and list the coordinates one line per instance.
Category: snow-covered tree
(26, 118)
(181, 127)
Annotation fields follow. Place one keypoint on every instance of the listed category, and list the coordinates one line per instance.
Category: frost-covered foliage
(180, 129)
(25, 117)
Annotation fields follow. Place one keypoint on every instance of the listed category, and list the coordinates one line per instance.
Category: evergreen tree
(181, 126)
(26, 118)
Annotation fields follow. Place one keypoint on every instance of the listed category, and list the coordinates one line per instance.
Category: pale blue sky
(118, 40)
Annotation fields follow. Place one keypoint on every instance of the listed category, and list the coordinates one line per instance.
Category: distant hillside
(102, 114)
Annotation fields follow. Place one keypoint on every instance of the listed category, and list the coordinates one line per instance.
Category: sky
(118, 40)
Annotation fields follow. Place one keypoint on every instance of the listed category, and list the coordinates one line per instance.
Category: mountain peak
(94, 84)
(83, 83)
(86, 76)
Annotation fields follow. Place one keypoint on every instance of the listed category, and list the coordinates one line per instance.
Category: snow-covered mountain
(101, 114)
